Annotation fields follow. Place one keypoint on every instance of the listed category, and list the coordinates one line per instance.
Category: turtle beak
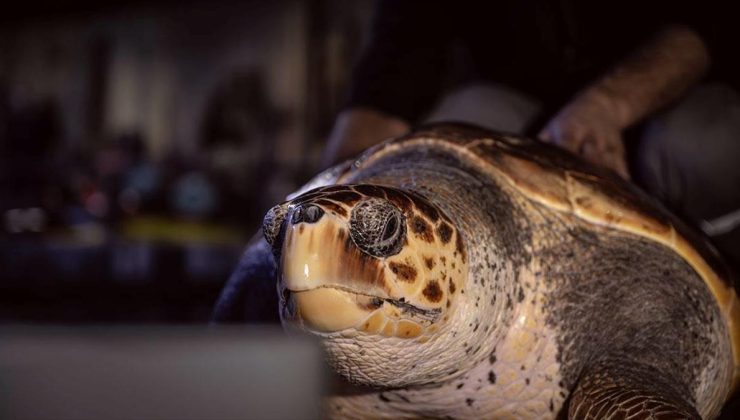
(325, 283)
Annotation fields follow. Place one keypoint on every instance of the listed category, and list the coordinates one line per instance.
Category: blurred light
(194, 195)
(97, 204)
(20, 220)
(129, 200)
(144, 178)
(89, 233)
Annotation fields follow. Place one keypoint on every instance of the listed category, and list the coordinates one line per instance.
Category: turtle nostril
(308, 214)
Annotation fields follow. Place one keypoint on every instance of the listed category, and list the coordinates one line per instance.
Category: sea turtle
(461, 273)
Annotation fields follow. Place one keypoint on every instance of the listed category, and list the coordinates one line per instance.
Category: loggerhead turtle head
(365, 259)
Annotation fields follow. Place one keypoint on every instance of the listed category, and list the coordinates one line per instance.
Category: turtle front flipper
(621, 388)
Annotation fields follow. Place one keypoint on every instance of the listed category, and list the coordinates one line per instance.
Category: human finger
(545, 136)
(608, 155)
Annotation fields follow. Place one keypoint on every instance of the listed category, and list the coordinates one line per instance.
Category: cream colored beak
(329, 310)
(322, 273)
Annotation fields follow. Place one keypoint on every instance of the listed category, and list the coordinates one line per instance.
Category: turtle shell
(558, 180)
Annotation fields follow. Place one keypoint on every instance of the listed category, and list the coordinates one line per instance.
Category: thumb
(619, 164)
(611, 159)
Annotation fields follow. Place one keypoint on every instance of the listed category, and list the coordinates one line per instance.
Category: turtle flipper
(250, 293)
(623, 389)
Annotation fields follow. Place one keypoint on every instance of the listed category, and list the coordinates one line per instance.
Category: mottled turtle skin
(460, 273)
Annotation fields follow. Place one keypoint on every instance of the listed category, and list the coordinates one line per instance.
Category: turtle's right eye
(377, 227)
(272, 226)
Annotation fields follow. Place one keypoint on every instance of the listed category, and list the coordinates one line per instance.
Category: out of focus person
(647, 89)
(238, 135)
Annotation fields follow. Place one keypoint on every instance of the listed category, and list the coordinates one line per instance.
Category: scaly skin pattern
(519, 378)
(504, 362)
(552, 308)
(628, 309)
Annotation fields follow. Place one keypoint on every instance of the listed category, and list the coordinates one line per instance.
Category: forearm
(653, 76)
(356, 129)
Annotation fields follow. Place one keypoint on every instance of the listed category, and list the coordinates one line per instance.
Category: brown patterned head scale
(366, 259)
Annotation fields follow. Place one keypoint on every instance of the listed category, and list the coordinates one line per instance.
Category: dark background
(141, 143)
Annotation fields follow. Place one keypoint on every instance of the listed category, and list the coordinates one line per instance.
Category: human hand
(356, 129)
(589, 126)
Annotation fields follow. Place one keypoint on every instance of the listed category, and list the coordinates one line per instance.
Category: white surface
(158, 373)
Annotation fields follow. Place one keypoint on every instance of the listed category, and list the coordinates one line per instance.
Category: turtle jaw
(326, 310)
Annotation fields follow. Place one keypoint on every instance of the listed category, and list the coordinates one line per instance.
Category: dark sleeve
(401, 69)
(250, 294)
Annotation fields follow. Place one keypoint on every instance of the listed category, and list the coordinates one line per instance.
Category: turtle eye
(377, 227)
(391, 228)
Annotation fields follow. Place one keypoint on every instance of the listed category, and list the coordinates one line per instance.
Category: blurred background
(141, 143)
